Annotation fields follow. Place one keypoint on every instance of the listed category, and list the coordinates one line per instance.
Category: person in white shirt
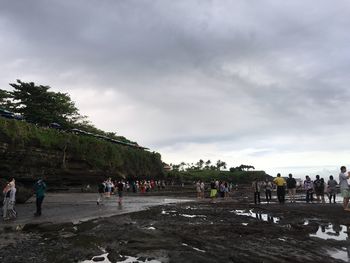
(344, 187)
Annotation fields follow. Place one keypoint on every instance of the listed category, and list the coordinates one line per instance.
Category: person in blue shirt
(39, 189)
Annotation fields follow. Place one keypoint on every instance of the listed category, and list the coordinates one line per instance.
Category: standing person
(309, 188)
(108, 187)
(11, 207)
(101, 192)
(256, 189)
(332, 189)
(198, 189)
(227, 190)
(222, 189)
(9, 192)
(344, 186)
(39, 189)
(202, 189)
(280, 182)
(134, 186)
(6, 192)
(213, 190)
(120, 187)
(291, 186)
(268, 190)
(319, 188)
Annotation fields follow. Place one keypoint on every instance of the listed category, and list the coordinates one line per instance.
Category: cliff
(65, 159)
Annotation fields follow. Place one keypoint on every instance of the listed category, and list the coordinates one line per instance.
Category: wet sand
(78, 207)
(232, 230)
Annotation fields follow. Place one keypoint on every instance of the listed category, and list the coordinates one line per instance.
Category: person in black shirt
(256, 186)
(319, 188)
(101, 192)
(120, 187)
(291, 186)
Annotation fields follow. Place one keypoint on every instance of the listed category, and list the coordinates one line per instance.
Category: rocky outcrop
(27, 164)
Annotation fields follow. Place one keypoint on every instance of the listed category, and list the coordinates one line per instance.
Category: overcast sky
(254, 82)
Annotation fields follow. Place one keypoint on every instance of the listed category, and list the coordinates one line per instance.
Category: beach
(173, 229)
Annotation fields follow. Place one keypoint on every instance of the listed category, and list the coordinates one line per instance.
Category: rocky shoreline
(225, 231)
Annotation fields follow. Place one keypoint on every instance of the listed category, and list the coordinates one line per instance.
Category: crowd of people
(217, 188)
(110, 187)
(318, 188)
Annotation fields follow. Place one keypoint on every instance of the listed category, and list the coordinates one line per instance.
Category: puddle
(175, 201)
(97, 259)
(192, 216)
(244, 224)
(330, 231)
(260, 216)
(339, 254)
(134, 260)
(128, 259)
(191, 208)
(151, 228)
(168, 212)
(194, 248)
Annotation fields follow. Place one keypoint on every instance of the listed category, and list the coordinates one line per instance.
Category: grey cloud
(234, 73)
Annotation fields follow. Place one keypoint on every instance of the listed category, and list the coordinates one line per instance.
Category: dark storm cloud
(241, 74)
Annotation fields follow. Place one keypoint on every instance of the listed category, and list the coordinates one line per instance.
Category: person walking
(332, 189)
(120, 188)
(268, 190)
(309, 188)
(39, 189)
(256, 186)
(344, 187)
(101, 192)
(291, 186)
(280, 182)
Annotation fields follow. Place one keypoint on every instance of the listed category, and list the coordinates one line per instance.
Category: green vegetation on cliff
(98, 155)
(239, 177)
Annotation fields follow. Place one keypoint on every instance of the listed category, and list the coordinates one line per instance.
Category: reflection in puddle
(128, 259)
(168, 212)
(175, 201)
(101, 258)
(134, 260)
(339, 254)
(197, 249)
(192, 216)
(260, 216)
(330, 231)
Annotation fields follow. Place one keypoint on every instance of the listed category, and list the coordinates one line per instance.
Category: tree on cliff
(5, 100)
(39, 105)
